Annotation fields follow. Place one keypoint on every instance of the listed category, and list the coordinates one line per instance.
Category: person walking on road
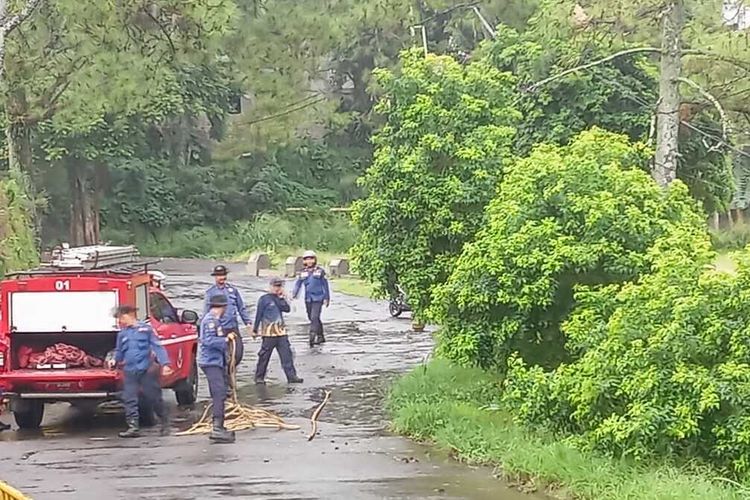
(235, 306)
(269, 322)
(212, 358)
(317, 294)
(136, 349)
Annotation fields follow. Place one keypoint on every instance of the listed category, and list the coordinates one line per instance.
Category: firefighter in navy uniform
(212, 358)
(269, 323)
(235, 306)
(317, 294)
(141, 354)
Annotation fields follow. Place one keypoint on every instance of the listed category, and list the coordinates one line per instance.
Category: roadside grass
(274, 234)
(351, 285)
(734, 238)
(279, 255)
(451, 407)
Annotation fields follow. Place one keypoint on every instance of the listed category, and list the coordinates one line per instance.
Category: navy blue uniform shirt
(315, 282)
(136, 346)
(235, 306)
(212, 342)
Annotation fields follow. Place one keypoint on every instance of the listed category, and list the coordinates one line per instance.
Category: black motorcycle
(398, 303)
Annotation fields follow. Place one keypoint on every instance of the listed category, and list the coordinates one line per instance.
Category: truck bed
(69, 383)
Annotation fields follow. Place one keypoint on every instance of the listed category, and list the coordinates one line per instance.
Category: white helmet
(309, 254)
(157, 276)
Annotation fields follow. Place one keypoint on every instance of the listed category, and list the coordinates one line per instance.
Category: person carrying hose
(212, 358)
(317, 294)
(137, 347)
(235, 306)
(269, 322)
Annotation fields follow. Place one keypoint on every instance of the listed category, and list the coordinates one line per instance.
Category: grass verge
(352, 286)
(452, 408)
(272, 233)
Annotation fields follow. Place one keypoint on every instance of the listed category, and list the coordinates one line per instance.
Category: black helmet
(218, 300)
(219, 271)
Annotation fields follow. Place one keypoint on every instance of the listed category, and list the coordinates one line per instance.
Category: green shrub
(665, 364)
(447, 138)
(583, 214)
(447, 405)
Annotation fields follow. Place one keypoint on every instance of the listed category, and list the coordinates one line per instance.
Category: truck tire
(186, 390)
(30, 415)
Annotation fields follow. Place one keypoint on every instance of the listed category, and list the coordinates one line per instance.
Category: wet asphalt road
(353, 456)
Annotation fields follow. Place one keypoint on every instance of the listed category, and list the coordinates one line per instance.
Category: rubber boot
(219, 434)
(132, 430)
(295, 380)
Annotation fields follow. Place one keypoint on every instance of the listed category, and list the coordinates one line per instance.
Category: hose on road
(237, 417)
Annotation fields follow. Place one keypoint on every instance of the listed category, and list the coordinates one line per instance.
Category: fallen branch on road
(316, 414)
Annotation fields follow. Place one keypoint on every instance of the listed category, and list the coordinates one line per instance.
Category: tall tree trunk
(18, 139)
(668, 112)
(714, 221)
(84, 209)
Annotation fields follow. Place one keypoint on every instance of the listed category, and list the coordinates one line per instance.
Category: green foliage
(445, 144)
(18, 248)
(664, 368)
(145, 191)
(556, 112)
(457, 409)
(268, 232)
(615, 96)
(583, 214)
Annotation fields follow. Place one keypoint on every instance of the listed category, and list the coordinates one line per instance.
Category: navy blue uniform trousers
(145, 383)
(284, 348)
(313, 314)
(217, 388)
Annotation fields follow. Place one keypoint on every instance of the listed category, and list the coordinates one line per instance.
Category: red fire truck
(66, 306)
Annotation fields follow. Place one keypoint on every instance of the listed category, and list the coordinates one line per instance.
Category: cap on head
(309, 254)
(276, 282)
(123, 310)
(220, 271)
(218, 300)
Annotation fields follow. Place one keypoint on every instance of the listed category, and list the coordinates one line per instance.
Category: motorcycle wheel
(394, 309)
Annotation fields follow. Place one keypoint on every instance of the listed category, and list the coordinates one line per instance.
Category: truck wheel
(186, 390)
(30, 415)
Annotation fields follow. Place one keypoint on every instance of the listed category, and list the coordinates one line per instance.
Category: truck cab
(57, 329)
